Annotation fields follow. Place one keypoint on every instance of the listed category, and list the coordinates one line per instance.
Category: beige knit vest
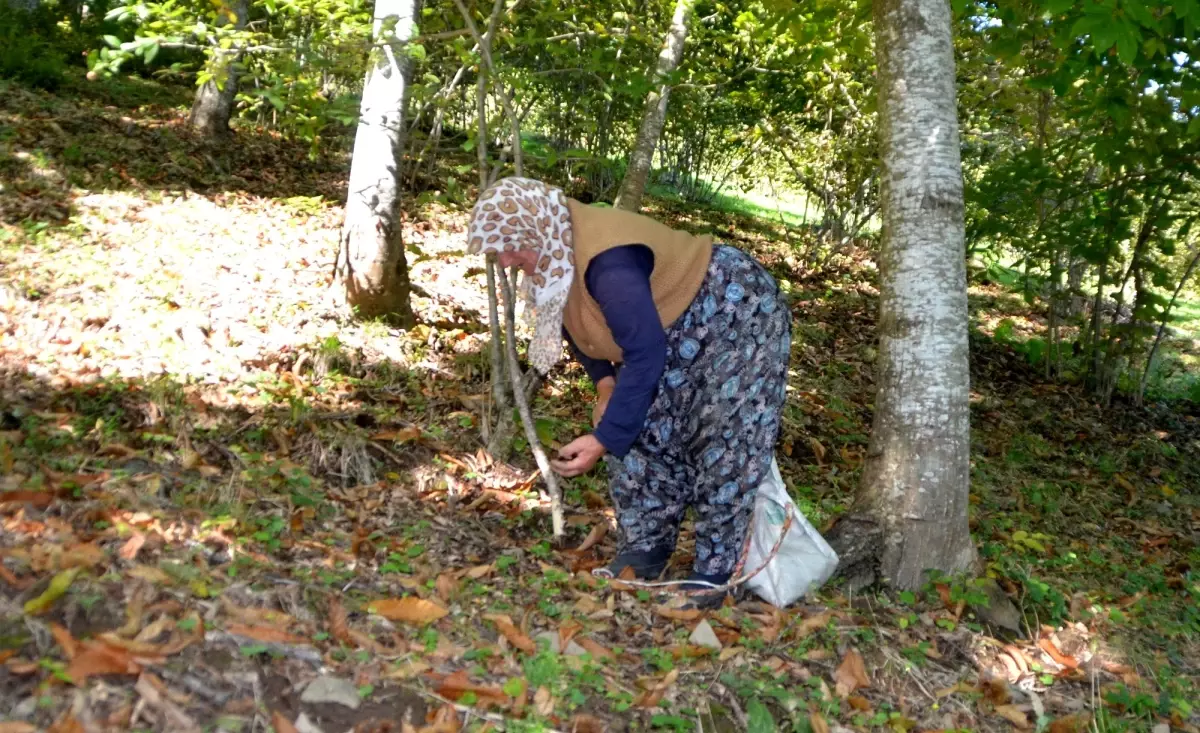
(680, 264)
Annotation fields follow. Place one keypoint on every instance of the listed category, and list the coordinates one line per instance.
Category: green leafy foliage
(31, 47)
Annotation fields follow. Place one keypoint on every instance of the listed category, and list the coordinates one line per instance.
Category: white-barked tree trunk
(371, 264)
(918, 465)
(654, 116)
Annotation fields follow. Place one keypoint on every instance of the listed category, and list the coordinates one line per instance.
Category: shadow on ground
(129, 134)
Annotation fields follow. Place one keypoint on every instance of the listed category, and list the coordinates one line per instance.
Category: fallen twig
(302, 652)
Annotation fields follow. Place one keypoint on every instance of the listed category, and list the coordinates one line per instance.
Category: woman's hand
(578, 457)
(604, 390)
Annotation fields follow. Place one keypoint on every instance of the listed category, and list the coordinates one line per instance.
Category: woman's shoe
(705, 592)
(647, 565)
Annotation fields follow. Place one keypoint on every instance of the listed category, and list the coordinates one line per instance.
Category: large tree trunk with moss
(917, 473)
(371, 264)
(654, 116)
(213, 106)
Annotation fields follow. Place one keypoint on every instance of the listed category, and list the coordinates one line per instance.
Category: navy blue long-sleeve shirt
(619, 281)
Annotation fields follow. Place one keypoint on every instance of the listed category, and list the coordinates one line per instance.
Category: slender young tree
(212, 107)
(654, 116)
(371, 263)
(918, 467)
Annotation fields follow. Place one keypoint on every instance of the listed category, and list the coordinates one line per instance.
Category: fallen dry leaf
(149, 574)
(339, 629)
(858, 702)
(479, 571)
(8, 577)
(185, 639)
(39, 499)
(254, 615)
(1047, 645)
(584, 723)
(962, 687)
(445, 720)
(509, 630)
(154, 630)
(281, 724)
(269, 634)
(567, 632)
(408, 670)
(1018, 656)
(1076, 723)
(22, 667)
(817, 449)
(588, 605)
(402, 435)
(68, 723)
(598, 532)
(817, 721)
(456, 685)
(1127, 674)
(17, 726)
(446, 586)
(132, 546)
(595, 648)
(83, 555)
(813, 623)
(678, 614)
(543, 702)
(850, 675)
(98, 658)
(134, 612)
(1013, 714)
(654, 695)
(136, 647)
(995, 690)
(408, 610)
(621, 582)
(69, 646)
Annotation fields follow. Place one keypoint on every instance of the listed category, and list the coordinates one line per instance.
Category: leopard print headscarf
(524, 214)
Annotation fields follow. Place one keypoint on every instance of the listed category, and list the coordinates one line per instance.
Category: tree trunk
(371, 263)
(918, 466)
(654, 116)
(1162, 324)
(1076, 300)
(212, 107)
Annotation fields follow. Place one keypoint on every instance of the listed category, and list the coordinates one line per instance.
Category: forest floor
(226, 507)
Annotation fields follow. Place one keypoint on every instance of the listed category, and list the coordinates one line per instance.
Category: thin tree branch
(485, 50)
(539, 455)
(1166, 316)
(514, 367)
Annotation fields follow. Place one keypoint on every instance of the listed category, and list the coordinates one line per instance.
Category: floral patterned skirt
(710, 433)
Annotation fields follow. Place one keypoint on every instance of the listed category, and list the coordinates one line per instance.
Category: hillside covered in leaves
(226, 507)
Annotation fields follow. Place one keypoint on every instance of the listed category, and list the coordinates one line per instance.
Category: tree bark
(918, 465)
(654, 116)
(371, 262)
(212, 107)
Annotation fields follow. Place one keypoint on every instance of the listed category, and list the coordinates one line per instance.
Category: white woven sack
(804, 560)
